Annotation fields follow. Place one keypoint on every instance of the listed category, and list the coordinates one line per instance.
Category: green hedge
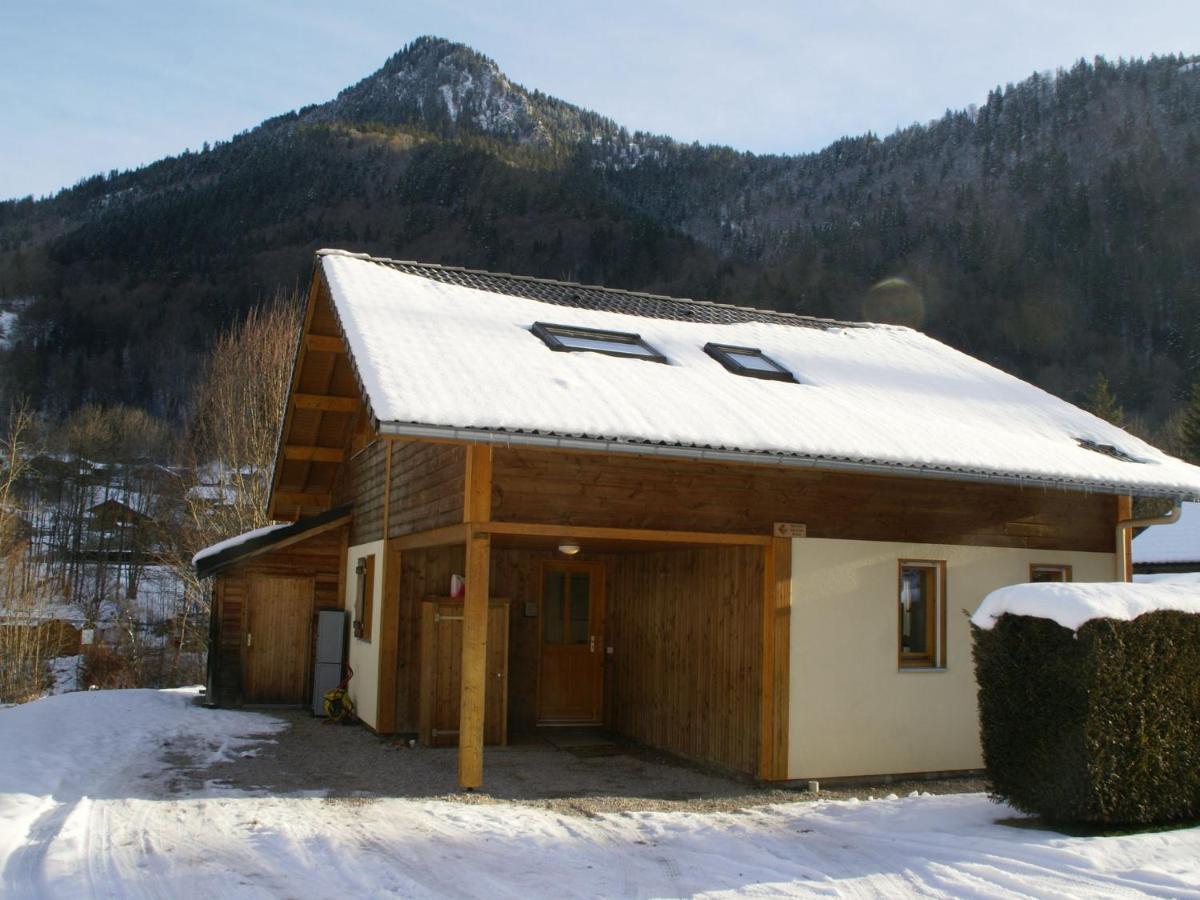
(1100, 727)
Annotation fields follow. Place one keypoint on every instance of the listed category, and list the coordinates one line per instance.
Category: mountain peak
(443, 86)
(430, 52)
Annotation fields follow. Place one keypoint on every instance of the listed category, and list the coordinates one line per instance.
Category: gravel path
(580, 773)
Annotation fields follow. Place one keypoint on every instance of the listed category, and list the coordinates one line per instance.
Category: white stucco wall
(364, 655)
(852, 710)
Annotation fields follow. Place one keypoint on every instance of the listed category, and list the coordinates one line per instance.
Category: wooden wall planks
(427, 486)
(366, 487)
(441, 672)
(319, 558)
(640, 492)
(423, 573)
(686, 672)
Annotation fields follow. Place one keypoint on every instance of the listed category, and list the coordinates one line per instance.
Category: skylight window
(748, 361)
(615, 343)
(1107, 450)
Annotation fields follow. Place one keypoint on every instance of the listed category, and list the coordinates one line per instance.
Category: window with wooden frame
(921, 623)
(748, 361)
(1042, 572)
(364, 596)
(568, 338)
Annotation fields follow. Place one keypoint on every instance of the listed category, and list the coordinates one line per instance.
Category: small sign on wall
(87, 635)
(790, 530)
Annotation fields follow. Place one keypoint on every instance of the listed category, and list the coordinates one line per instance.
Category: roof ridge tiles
(745, 313)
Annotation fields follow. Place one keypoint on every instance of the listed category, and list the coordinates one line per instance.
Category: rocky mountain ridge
(1054, 229)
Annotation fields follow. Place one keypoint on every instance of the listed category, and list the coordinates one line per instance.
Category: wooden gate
(277, 646)
(441, 672)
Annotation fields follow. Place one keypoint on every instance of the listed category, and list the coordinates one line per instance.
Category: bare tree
(229, 447)
(238, 408)
(28, 635)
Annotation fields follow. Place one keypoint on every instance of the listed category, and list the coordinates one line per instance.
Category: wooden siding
(686, 672)
(277, 663)
(230, 595)
(514, 575)
(686, 626)
(367, 478)
(642, 492)
(319, 558)
(441, 672)
(427, 486)
(423, 573)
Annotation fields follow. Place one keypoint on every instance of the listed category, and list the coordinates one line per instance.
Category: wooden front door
(571, 662)
(277, 647)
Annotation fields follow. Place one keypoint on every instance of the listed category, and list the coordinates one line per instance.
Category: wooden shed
(267, 590)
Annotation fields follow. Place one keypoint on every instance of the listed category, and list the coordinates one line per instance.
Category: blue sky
(86, 87)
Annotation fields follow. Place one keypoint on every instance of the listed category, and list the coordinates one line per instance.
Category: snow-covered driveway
(91, 805)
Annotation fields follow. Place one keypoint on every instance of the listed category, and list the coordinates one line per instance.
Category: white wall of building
(852, 710)
(364, 655)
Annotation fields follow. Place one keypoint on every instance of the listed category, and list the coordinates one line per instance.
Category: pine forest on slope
(1054, 230)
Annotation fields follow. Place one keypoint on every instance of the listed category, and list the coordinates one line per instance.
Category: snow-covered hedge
(1089, 701)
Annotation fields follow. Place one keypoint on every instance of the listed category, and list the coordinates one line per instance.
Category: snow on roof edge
(237, 540)
(1173, 543)
(1074, 604)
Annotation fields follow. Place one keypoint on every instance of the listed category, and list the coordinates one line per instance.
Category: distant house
(116, 532)
(1167, 549)
(743, 536)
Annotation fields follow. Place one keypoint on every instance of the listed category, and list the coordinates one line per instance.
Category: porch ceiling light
(568, 548)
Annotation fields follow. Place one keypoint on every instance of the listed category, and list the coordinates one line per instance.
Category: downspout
(1124, 525)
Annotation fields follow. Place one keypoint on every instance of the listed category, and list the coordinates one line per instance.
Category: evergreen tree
(1101, 402)
(1189, 430)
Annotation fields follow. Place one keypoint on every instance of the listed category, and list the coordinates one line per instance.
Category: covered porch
(675, 639)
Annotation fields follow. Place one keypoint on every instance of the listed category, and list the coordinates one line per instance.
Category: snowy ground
(96, 800)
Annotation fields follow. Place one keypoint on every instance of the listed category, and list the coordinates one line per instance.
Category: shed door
(278, 635)
(441, 672)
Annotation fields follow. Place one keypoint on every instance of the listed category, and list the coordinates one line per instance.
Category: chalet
(744, 536)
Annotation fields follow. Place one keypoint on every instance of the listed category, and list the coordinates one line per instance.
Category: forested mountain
(1054, 230)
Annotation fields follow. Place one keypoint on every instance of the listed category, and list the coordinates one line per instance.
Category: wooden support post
(1125, 550)
(428, 668)
(776, 652)
(477, 493)
(477, 510)
(474, 661)
(389, 641)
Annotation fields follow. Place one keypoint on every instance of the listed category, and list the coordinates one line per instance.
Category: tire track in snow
(25, 871)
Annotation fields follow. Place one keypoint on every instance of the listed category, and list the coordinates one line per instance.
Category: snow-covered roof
(1073, 604)
(214, 558)
(1167, 578)
(451, 352)
(1178, 542)
(237, 540)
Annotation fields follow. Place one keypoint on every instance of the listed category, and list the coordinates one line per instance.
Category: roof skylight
(748, 361)
(615, 343)
(1107, 450)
